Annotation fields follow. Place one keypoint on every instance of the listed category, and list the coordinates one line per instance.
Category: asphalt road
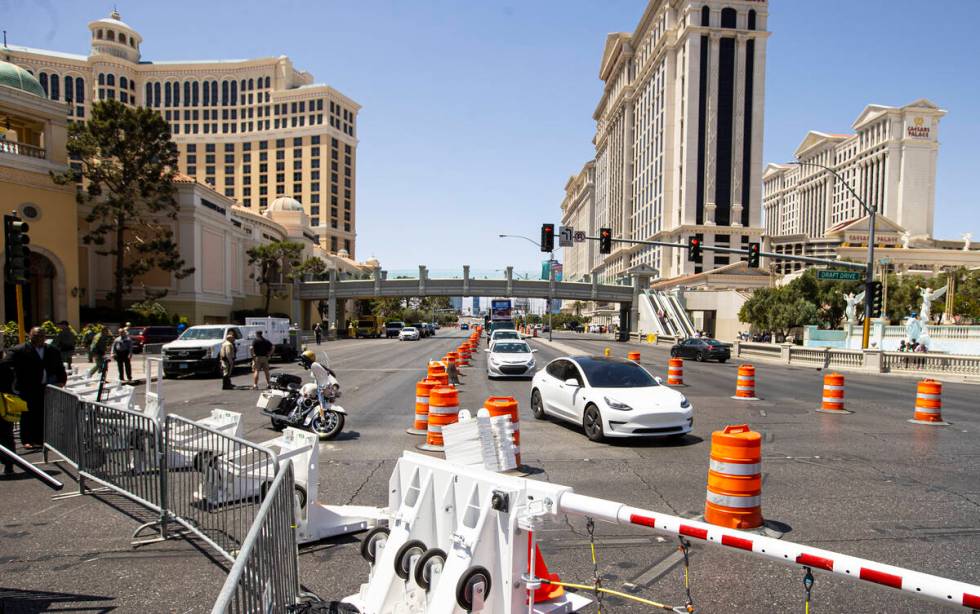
(868, 484)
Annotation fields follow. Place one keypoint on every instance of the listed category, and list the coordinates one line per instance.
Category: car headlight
(614, 404)
(685, 404)
(530, 363)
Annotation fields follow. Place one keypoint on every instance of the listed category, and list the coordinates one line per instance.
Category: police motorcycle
(311, 406)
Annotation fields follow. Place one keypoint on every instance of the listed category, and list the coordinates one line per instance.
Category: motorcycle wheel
(277, 425)
(329, 426)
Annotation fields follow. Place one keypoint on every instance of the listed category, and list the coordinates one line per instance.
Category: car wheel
(722, 360)
(537, 407)
(592, 423)
(673, 353)
(699, 357)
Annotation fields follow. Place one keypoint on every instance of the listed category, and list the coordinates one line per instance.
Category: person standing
(318, 332)
(452, 372)
(65, 342)
(122, 351)
(261, 352)
(6, 428)
(98, 348)
(227, 358)
(35, 366)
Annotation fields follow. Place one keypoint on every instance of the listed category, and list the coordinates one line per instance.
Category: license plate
(183, 365)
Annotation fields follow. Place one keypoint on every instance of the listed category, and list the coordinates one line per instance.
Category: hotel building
(254, 130)
(678, 142)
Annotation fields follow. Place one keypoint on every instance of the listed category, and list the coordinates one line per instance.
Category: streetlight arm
(847, 185)
(520, 237)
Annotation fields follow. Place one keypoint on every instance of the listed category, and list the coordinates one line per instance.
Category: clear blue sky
(476, 113)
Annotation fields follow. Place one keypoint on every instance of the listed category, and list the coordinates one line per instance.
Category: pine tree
(128, 162)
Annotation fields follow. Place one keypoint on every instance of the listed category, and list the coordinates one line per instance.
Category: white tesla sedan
(510, 358)
(409, 333)
(609, 397)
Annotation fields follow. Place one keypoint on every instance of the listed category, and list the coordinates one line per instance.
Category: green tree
(273, 264)
(312, 266)
(128, 162)
(389, 308)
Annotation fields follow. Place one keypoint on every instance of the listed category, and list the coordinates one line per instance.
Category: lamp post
(869, 271)
(551, 275)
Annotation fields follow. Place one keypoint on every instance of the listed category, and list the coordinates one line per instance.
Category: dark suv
(393, 328)
(143, 335)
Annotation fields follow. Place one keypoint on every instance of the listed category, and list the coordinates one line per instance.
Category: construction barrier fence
(265, 576)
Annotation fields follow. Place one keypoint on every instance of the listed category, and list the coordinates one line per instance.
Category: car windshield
(511, 348)
(713, 342)
(506, 334)
(603, 373)
(202, 333)
(410, 329)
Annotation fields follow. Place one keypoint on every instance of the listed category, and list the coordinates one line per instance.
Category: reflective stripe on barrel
(507, 406)
(422, 390)
(443, 410)
(833, 392)
(734, 494)
(675, 372)
(745, 385)
(437, 372)
(929, 401)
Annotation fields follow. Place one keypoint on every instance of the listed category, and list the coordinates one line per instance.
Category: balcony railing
(22, 149)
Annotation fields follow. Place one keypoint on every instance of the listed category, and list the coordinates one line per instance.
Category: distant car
(575, 327)
(609, 397)
(545, 328)
(423, 331)
(510, 358)
(701, 349)
(498, 335)
(142, 335)
(393, 328)
(436, 325)
(464, 326)
(409, 333)
(430, 329)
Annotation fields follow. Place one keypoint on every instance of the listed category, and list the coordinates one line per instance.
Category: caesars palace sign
(918, 129)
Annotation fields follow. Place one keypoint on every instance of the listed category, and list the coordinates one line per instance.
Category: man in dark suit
(36, 365)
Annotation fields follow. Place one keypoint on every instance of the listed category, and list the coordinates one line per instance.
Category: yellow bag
(12, 407)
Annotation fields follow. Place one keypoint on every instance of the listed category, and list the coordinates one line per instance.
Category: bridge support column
(625, 325)
(466, 280)
(332, 307)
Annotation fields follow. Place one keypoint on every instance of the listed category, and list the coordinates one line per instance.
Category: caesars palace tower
(678, 141)
(252, 129)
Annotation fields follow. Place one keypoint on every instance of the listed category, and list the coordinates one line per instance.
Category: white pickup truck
(196, 351)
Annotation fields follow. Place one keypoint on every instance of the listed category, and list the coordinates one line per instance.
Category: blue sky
(476, 113)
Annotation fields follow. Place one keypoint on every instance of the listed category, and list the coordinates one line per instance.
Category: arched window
(187, 93)
(110, 79)
(124, 83)
(752, 19)
(98, 35)
(132, 42)
(148, 98)
(55, 88)
(176, 94)
(110, 35)
(101, 78)
(705, 16)
(166, 94)
(69, 89)
(43, 78)
(195, 89)
(80, 90)
(122, 38)
(242, 86)
(251, 84)
(728, 16)
(207, 93)
(224, 93)
(234, 93)
(156, 94)
(214, 93)
(268, 81)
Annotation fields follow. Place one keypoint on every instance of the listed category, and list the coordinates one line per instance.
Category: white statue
(913, 328)
(928, 296)
(906, 238)
(966, 241)
(852, 301)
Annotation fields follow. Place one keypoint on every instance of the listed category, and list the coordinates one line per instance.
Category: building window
(728, 16)
(705, 16)
(751, 25)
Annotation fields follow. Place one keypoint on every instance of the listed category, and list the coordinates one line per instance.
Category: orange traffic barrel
(633, 356)
(452, 357)
(734, 498)
(929, 403)
(833, 394)
(421, 424)
(464, 356)
(675, 372)
(437, 372)
(443, 410)
(507, 406)
(745, 386)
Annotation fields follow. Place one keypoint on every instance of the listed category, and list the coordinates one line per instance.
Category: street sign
(579, 236)
(839, 275)
(565, 236)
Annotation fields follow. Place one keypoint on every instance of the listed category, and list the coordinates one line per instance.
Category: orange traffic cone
(745, 386)
(675, 372)
(547, 591)
(929, 403)
(634, 356)
(833, 395)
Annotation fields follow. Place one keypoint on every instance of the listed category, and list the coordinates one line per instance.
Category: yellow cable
(609, 591)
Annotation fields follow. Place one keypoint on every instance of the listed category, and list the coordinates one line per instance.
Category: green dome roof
(18, 78)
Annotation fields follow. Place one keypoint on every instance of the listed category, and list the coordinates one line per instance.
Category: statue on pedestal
(967, 237)
(905, 238)
(852, 301)
(928, 296)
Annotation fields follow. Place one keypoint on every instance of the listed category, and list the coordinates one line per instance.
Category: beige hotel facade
(253, 130)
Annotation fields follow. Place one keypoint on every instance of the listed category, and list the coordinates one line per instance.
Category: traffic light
(547, 237)
(754, 250)
(876, 298)
(15, 242)
(605, 240)
(694, 249)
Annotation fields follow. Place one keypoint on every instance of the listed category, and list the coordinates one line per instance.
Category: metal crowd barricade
(214, 483)
(61, 420)
(265, 576)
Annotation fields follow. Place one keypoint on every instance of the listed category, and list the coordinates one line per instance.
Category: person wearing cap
(65, 342)
(227, 358)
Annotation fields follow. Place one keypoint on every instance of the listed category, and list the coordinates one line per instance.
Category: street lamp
(869, 271)
(551, 274)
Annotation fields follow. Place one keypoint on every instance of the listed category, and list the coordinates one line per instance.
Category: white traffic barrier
(153, 389)
(188, 446)
(454, 542)
(458, 529)
(480, 441)
(229, 479)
